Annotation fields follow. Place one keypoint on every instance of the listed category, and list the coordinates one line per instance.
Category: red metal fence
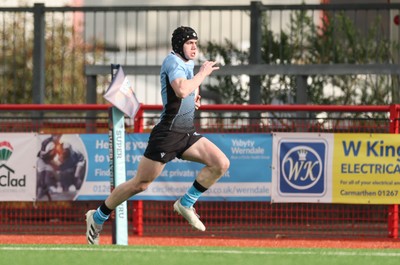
(223, 219)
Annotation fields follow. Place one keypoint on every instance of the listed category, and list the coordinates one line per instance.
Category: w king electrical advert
(366, 168)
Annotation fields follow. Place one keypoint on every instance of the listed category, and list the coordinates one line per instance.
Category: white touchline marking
(319, 252)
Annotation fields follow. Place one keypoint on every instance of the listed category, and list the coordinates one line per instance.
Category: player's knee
(226, 164)
(223, 165)
(143, 186)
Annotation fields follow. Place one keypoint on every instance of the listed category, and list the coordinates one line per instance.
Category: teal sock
(99, 216)
(192, 195)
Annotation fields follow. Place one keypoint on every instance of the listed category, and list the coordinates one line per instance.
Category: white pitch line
(320, 252)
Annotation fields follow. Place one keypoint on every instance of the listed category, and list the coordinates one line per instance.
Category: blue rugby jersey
(178, 113)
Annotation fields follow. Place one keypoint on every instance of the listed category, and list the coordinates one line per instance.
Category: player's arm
(197, 98)
(80, 166)
(183, 87)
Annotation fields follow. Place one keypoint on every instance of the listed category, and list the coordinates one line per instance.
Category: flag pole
(116, 135)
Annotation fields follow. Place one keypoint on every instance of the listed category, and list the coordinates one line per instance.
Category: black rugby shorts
(164, 145)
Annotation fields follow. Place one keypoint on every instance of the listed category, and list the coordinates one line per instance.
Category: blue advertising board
(247, 179)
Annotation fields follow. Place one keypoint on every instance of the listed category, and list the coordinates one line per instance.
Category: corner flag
(120, 94)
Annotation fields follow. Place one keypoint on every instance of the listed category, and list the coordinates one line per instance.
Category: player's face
(190, 49)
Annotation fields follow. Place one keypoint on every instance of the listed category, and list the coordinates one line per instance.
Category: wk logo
(302, 168)
(7, 176)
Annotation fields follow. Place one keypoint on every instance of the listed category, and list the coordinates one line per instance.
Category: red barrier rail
(210, 107)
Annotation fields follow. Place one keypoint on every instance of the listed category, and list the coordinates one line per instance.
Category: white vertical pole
(117, 170)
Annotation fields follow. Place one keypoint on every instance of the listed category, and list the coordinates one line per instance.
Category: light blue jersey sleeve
(176, 68)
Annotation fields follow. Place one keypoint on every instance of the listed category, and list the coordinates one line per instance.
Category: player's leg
(48, 181)
(148, 171)
(44, 172)
(66, 179)
(40, 184)
(216, 164)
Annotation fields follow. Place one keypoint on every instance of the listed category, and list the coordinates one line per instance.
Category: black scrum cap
(180, 36)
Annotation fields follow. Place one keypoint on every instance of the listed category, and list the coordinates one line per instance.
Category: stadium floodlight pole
(116, 135)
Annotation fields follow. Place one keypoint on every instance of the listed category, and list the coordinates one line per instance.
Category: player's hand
(208, 67)
(197, 103)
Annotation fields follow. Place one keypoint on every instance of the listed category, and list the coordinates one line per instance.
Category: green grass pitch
(157, 255)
